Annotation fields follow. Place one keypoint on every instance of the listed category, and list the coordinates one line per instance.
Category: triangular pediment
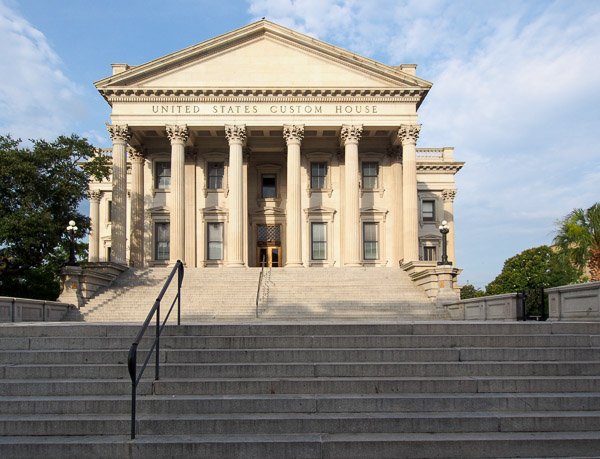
(262, 55)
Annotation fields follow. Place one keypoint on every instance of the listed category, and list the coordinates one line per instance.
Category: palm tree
(578, 238)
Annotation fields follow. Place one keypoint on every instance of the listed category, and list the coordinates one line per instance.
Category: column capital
(235, 133)
(351, 134)
(449, 195)
(136, 156)
(293, 133)
(191, 155)
(394, 152)
(177, 134)
(119, 132)
(94, 195)
(409, 133)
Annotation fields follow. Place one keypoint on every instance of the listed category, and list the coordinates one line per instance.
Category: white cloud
(36, 99)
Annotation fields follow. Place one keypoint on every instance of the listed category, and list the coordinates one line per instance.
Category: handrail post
(179, 282)
(156, 374)
(132, 367)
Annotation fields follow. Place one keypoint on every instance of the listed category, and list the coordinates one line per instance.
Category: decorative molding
(449, 195)
(439, 168)
(177, 134)
(293, 133)
(235, 133)
(94, 195)
(351, 133)
(409, 133)
(191, 155)
(136, 156)
(394, 152)
(119, 132)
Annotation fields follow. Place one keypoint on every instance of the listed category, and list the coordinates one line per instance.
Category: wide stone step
(286, 369)
(303, 423)
(295, 403)
(363, 446)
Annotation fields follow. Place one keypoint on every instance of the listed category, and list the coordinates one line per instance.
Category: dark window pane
(370, 171)
(215, 241)
(371, 241)
(162, 241)
(428, 210)
(269, 189)
(319, 241)
(163, 175)
(318, 175)
(215, 175)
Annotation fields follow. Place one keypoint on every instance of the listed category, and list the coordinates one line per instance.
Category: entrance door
(270, 255)
(269, 245)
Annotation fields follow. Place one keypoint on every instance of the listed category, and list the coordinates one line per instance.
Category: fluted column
(448, 196)
(94, 239)
(120, 135)
(396, 169)
(293, 137)
(235, 242)
(351, 136)
(408, 134)
(177, 135)
(190, 207)
(136, 245)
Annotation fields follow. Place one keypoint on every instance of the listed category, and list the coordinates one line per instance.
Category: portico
(265, 142)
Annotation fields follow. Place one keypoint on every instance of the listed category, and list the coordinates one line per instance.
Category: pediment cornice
(127, 85)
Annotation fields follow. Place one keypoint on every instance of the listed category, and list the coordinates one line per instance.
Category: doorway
(268, 245)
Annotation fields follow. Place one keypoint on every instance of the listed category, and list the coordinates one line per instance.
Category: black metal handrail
(132, 359)
(260, 278)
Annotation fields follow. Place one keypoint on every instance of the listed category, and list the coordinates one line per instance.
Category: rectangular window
(163, 176)
(108, 254)
(319, 241)
(318, 175)
(215, 241)
(162, 239)
(371, 241)
(269, 189)
(428, 211)
(215, 175)
(429, 254)
(109, 211)
(370, 171)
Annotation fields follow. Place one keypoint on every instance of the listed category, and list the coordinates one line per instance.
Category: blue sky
(516, 88)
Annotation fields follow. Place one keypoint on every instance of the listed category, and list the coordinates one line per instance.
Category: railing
(430, 153)
(260, 278)
(132, 360)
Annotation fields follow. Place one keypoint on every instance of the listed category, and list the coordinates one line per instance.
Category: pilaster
(448, 196)
(136, 246)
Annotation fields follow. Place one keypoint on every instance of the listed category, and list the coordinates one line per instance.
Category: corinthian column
(408, 134)
(235, 244)
(177, 135)
(351, 136)
(119, 135)
(293, 137)
(94, 239)
(136, 245)
(448, 196)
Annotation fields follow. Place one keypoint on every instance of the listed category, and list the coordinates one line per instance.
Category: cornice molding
(439, 167)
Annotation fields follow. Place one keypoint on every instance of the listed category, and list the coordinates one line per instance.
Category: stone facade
(266, 143)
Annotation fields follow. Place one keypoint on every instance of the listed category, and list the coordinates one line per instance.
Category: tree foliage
(578, 239)
(41, 188)
(531, 270)
(470, 291)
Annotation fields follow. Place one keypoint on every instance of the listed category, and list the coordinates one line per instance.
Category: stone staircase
(304, 390)
(286, 294)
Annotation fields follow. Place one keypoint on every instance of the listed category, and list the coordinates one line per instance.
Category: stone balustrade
(495, 307)
(578, 302)
(28, 310)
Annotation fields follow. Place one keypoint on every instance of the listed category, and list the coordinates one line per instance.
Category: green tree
(531, 270)
(578, 239)
(470, 291)
(41, 188)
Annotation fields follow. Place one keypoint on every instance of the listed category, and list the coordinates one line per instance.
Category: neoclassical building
(265, 143)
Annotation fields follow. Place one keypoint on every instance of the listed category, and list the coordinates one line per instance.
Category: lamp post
(71, 229)
(444, 229)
